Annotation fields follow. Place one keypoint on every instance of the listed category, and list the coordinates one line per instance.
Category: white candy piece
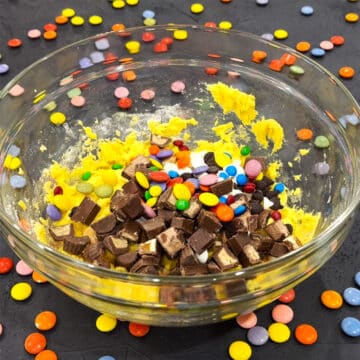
(197, 159)
(267, 203)
(203, 257)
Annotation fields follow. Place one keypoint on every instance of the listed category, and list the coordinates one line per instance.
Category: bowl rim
(318, 241)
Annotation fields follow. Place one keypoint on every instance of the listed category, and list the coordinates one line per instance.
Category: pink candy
(208, 179)
(247, 321)
(23, 269)
(253, 168)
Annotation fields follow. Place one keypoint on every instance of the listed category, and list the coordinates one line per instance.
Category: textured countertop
(75, 335)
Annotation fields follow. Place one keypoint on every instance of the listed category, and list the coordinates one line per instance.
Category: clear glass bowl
(316, 100)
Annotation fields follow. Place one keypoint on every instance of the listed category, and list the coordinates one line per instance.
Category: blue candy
(258, 335)
(351, 326)
(307, 10)
(231, 170)
(173, 174)
(279, 187)
(14, 150)
(97, 57)
(85, 62)
(148, 14)
(357, 278)
(106, 357)
(317, 52)
(223, 175)
(17, 181)
(4, 68)
(352, 296)
(241, 179)
(223, 199)
(240, 210)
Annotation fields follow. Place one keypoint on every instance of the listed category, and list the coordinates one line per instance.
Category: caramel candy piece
(277, 230)
(130, 231)
(59, 233)
(149, 247)
(201, 240)
(86, 212)
(116, 245)
(172, 241)
(75, 244)
(225, 259)
(160, 141)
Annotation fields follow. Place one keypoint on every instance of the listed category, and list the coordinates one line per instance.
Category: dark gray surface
(75, 336)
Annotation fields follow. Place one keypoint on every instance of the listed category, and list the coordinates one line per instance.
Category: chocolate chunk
(261, 242)
(160, 141)
(194, 208)
(279, 249)
(102, 261)
(240, 199)
(263, 218)
(198, 295)
(187, 256)
(91, 233)
(222, 187)
(75, 244)
(253, 223)
(213, 267)
(153, 226)
(194, 269)
(184, 224)
(130, 231)
(149, 247)
(59, 233)
(126, 260)
(167, 215)
(126, 206)
(240, 223)
(238, 241)
(167, 200)
(129, 171)
(86, 212)
(169, 295)
(249, 255)
(92, 252)
(264, 183)
(277, 230)
(290, 228)
(292, 242)
(186, 176)
(276, 203)
(209, 159)
(201, 240)
(208, 220)
(225, 259)
(146, 265)
(213, 169)
(172, 241)
(257, 195)
(116, 245)
(105, 225)
(131, 187)
(255, 207)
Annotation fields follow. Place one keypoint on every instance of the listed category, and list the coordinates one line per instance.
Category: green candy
(84, 188)
(104, 191)
(86, 175)
(147, 195)
(117, 167)
(182, 204)
(322, 142)
(245, 150)
(296, 70)
(154, 168)
(73, 92)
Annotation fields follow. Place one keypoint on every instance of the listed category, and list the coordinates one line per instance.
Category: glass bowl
(307, 96)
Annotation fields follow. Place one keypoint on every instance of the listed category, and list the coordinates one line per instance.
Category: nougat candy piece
(225, 258)
(130, 231)
(149, 247)
(160, 141)
(116, 245)
(193, 210)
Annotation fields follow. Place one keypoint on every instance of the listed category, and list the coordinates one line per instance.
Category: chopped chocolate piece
(105, 225)
(213, 169)
(261, 242)
(153, 227)
(86, 212)
(249, 255)
(240, 223)
(276, 203)
(277, 230)
(131, 187)
(290, 228)
(264, 183)
(130, 231)
(91, 233)
(238, 241)
(209, 159)
(279, 249)
(187, 256)
(93, 251)
(186, 176)
(160, 141)
(208, 220)
(222, 187)
(169, 295)
(255, 207)
(253, 223)
(116, 245)
(126, 205)
(194, 269)
(234, 287)
(167, 215)
(172, 241)
(75, 244)
(148, 265)
(263, 218)
(201, 240)
(271, 194)
(225, 259)
(292, 242)
(59, 233)
(102, 261)
(199, 295)
(184, 224)
(149, 247)
(126, 260)
(194, 209)
(240, 199)
(257, 195)
(129, 171)
(167, 200)
(213, 267)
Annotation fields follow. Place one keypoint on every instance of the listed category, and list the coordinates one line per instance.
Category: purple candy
(258, 335)
(162, 185)
(97, 57)
(53, 212)
(200, 169)
(321, 168)
(4, 68)
(17, 181)
(85, 62)
(165, 153)
(195, 182)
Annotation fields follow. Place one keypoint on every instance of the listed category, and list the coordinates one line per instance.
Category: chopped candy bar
(187, 256)
(86, 212)
(292, 242)
(130, 231)
(201, 240)
(223, 187)
(194, 269)
(277, 230)
(92, 252)
(194, 209)
(126, 260)
(225, 259)
(75, 245)
(160, 141)
(126, 206)
(105, 225)
(238, 241)
(209, 221)
(278, 249)
(184, 224)
(59, 233)
(172, 241)
(149, 247)
(153, 227)
(116, 245)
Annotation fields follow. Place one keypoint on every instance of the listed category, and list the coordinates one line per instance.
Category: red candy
(58, 190)
(6, 264)
(287, 297)
(275, 215)
(148, 36)
(184, 148)
(178, 143)
(160, 47)
(159, 176)
(177, 180)
(230, 199)
(249, 187)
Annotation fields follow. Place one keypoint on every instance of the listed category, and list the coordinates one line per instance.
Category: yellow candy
(279, 332)
(21, 291)
(109, 177)
(132, 2)
(62, 202)
(352, 17)
(156, 163)
(57, 118)
(50, 106)
(118, 4)
(152, 201)
(95, 20)
(77, 21)
(181, 192)
(225, 25)
(180, 35)
(41, 95)
(197, 8)
(222, 159)
(240, 350)
(142, 180)
(280, 34)
(155, 190)
(133, 47)
(68, 12)
(106, 323)
(11, 162)
(149, 22)
(208, 199)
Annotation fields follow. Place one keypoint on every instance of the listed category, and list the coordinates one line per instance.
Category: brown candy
(130, 231)
(75, 244)
(160, 141)
(59, 233)
(86, 212)
(225, 259)
(172, 241)
(277, 230)
(126, 260)
(208, 221)
(153, 227)
(184, 224)
(105, 225)
(222, 187)
(201, 240)
(116, 245)
(126, 206)
(149, 247)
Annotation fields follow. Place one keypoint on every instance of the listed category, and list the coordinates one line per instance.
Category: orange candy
(138, 330)
(331, 299)
(224, 212)
(129, 75)
(211, 70)
(276, 65)
(46, 355)
(190, 186)
(34, 343)
(306, 334)
(288, 296)
(50, 35)
(288, 59)
(304, 134)
(45, 320)
(337, 40)
(153, 149)
(14, 43)
(38, 278)
(258, 56)
(347, 72)
(303, 46)
(60, 20)
(118, 27)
